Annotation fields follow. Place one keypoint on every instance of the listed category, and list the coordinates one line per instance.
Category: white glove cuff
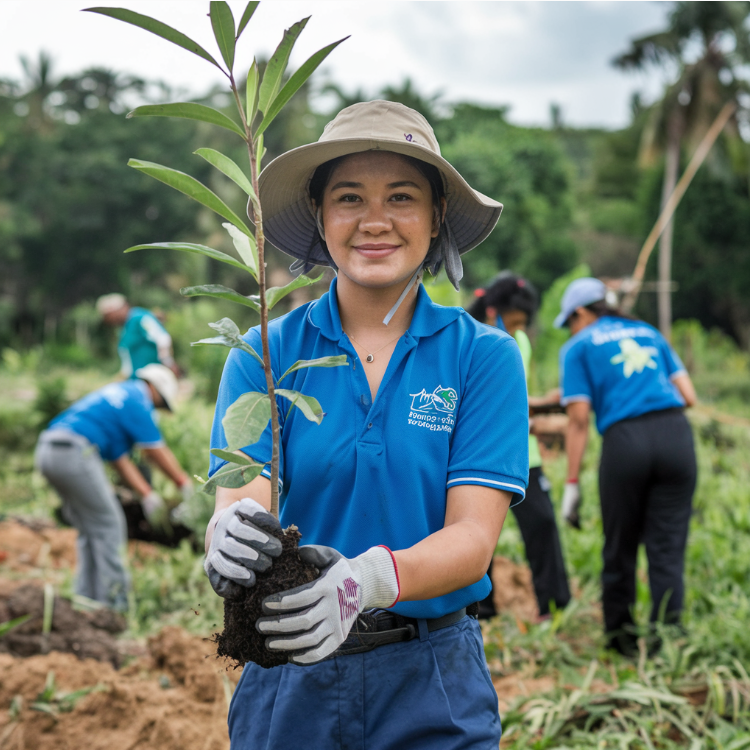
(212, 526)
(379, 577)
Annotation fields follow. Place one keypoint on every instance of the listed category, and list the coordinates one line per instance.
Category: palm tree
(702, 85)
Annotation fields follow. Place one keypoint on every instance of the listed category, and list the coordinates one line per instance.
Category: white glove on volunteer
(313, 620)
(153, 506)
(570, 503)
(186, 490)
(240, 546)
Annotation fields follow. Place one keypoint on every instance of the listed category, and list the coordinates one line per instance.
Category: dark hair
(602, 309)
(507, 291)
(322, 176)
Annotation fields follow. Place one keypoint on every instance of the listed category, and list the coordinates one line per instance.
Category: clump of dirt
(29, 543)
(240, 641)
(173, 698)
(88, 635)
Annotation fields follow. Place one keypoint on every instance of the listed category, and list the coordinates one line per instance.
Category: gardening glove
(153, 506)
(186, 490)
(570, 503)
(311, 621)
(240, 546)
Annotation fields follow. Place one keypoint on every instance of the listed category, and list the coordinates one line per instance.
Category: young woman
(403, 489)
(509, 302)
(628, 374)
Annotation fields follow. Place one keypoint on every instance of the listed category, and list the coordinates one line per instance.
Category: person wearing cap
(401, 492)
(509, 302)
(105, 426)
(143, 340)
(628, 374)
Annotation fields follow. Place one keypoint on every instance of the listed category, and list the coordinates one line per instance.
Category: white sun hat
(163, 379)
(108, 303)
(289, 220)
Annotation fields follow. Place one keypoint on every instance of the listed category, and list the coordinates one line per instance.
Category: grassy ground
(694, 694)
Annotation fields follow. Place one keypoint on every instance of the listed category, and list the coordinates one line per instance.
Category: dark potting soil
(240, 640)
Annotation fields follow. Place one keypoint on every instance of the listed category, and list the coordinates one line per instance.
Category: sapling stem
(257, 219)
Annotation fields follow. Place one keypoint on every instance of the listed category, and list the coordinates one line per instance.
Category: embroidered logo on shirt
(434, 411)
(634, 358)
(349, 599)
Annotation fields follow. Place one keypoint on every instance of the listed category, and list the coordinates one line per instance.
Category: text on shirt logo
(434, 411)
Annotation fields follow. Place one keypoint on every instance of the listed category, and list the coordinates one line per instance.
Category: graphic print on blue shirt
(624, 368)
(451, 410)
(114, 418)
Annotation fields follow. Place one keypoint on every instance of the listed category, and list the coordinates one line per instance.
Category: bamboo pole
(636, 280)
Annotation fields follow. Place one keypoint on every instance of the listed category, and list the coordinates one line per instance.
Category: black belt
(61, 443)
(377, 628)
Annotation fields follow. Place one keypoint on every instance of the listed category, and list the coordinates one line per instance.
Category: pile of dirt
(173, 699)
(31, 544)
(85, 634)
(513, 589)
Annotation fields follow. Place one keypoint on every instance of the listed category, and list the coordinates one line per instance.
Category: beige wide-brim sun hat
(288, 216)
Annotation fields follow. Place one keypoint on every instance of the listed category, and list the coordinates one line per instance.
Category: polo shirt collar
(427, 320)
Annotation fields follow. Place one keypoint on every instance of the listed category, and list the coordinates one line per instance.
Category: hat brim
(288, 219)
(560, 320)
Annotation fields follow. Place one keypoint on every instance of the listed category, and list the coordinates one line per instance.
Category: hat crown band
(381, 121)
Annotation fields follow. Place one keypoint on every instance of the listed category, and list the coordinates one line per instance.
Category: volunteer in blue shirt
(626, 372)
(104, 426)
(406, 483)
(509, 302)
(143, 339)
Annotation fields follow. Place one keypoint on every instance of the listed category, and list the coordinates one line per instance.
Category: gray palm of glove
(311, 621)
(240, 547)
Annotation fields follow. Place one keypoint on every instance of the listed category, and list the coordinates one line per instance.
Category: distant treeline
(69, 205)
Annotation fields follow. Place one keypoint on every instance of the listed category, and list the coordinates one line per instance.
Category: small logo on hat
(409, 137)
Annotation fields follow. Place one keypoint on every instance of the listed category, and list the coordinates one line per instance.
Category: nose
(375, 219)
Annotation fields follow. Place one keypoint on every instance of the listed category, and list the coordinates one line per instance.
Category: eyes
(355, 198)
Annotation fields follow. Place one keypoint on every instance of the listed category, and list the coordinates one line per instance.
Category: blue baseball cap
(579, 293)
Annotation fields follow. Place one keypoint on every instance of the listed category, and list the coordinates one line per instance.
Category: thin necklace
(371, 355)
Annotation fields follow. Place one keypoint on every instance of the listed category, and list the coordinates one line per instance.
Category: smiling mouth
(375, 251)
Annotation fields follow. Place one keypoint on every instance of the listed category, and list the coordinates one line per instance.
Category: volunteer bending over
(105, 426)
(626, 372)
(402, 491)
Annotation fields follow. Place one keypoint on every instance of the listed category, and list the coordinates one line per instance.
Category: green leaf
(308, 405)
(232, 476)
(189, 111)
(218, 291)
(252, 92)
(277, 293)
(246, 419)
(234, 458)
(229, 335)
(6, 627)
(222, 22)
(295, 83)
(277, 65)
(245, 246)
(190, 187)
(158, 28)
(228, 167)
(246, 16)
(301, 364)
(189, 247)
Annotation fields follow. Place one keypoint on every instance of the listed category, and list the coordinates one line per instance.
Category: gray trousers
(72, 465)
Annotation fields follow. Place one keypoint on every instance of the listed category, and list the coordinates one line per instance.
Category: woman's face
(378, 219)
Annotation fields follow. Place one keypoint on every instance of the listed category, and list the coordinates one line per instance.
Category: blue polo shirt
(114, 419)
(143, 341)
(623, 368)
(451, 410)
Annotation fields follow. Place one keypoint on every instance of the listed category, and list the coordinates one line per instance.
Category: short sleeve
(242, 374)
(491, 439)
(575, 384)
(141, 424)
(672, 360)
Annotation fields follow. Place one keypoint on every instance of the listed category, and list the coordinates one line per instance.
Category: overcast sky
(522, 54)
